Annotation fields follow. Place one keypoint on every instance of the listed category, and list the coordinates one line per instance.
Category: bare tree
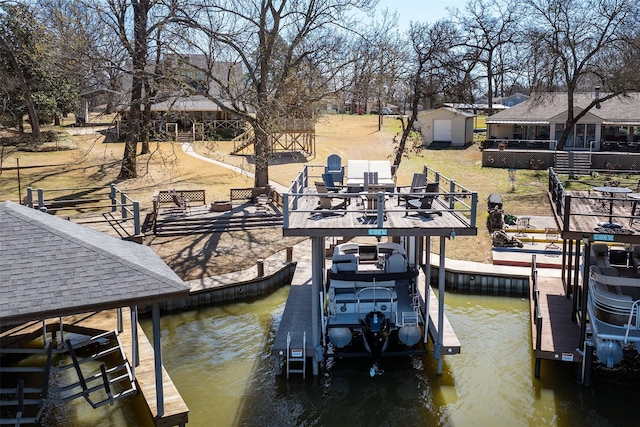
(587, 44)
(135, 23)
(434, 52)
(489, 27)
(281, 47)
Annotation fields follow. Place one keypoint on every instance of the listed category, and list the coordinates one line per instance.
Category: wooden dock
(450, 341)
(559, 337)
(296, 317)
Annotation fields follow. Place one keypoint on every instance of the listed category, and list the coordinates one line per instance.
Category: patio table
(611, 191)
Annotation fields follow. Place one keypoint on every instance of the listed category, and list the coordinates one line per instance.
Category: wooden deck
(588, 211)
(560, 336)
(350, 217)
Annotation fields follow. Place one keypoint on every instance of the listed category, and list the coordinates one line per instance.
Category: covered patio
(538, 123)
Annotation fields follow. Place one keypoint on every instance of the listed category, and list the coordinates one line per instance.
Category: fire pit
(220, 206)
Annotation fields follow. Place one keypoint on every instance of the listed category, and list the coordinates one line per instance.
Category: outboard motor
(375, 328)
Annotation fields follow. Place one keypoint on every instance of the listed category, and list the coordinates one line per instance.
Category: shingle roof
(543, 107)
(51, 267)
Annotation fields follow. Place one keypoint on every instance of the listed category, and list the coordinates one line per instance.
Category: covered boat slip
(52, 281)
(296, 321)
(388, 218)
(599, 229)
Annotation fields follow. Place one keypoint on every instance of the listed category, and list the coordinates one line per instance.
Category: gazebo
(53, 271)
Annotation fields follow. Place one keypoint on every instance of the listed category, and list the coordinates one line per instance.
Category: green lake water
(220, 360)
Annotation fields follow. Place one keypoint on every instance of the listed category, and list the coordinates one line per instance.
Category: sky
(419, 10)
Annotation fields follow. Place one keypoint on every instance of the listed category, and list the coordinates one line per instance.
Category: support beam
(441, 286)
(317, 275)
(157, 358)
(427, 294)
(576, 283)
(585, 292)
(135, 357)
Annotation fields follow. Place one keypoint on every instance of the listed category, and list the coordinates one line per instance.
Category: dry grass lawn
(94, 163)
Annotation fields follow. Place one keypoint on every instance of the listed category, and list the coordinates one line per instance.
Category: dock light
(512, 178)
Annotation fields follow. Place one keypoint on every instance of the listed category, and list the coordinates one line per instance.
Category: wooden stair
(184, 137)
(243, 141)
(573, 162)
(186, 225)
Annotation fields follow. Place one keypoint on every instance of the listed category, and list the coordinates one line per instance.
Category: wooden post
(113, 198)
(19, 186)
(289, 254)
(427, 284)
(585, 292)
(30, 197)
(119, 319)
(40, 198)
(136, 218)
(260, 265)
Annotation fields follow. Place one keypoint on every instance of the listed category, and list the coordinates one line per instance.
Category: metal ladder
(297, 355)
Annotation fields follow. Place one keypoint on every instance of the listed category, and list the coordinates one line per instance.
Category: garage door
(442, 130)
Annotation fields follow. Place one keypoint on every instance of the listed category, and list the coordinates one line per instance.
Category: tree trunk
(129, 167)
(25, 89)
(144, 133)
(261, 149)
(402, 145)
(569, 124)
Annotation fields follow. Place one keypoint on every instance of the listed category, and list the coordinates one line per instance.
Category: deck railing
(460, 201)
(562, 200)
(87, 198)
(533, 144)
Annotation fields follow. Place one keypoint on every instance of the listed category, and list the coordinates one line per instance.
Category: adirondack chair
(418, 184)
(425, 201)
(334, 168)
(330, 183)
(326, 201)
(179, 201)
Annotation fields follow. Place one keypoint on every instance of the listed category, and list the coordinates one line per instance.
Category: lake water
(220, 359)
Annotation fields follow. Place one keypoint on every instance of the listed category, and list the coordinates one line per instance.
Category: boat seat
(346, 248)
(635, 259)
(387, 248)
(396, 263)
(342, 286)
(600, 254)
(604, 294)
(344, 262)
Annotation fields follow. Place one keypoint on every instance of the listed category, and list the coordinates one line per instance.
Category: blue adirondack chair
(335, 168)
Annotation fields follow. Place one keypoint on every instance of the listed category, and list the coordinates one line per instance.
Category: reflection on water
(220, 360)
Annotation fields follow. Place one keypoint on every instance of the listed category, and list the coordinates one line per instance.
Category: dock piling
(587, 363)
